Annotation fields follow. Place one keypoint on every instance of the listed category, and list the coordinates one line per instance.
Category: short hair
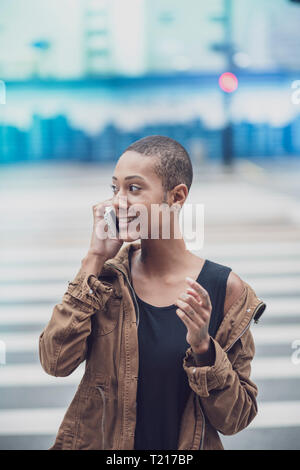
(173, 164)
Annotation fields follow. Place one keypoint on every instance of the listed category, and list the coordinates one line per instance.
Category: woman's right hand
(106, 247)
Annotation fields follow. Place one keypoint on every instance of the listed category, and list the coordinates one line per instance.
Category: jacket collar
(121, 260)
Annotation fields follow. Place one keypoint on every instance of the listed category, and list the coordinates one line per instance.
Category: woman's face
(138, 192)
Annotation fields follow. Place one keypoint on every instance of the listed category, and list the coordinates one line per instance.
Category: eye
(113, 187)
(134, 186)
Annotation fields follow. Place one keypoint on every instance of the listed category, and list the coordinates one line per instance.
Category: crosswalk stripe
(54, 290)
(25, 315)
(47, 420)
(271, 334)
(33, 374)
(31, 421)
(275, 368)
(242, 250)
(268, 285)
(63, 270)
(38, 273)
(35, 314)
(51, 291)
(282, 307)
(238, 252)
(278, 334)
(277, 414)
(265, 267)
(39, 256)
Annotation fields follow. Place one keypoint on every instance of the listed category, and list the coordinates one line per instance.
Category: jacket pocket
(93, 414)
(106, 320)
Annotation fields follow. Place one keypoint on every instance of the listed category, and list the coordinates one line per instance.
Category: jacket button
(91, 291)
(194, 370)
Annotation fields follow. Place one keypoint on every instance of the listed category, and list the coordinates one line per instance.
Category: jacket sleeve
(227, 394)
(63, 342)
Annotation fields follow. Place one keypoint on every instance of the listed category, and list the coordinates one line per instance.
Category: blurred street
(252, 224)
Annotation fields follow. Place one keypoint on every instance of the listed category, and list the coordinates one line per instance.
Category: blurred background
(82, 79)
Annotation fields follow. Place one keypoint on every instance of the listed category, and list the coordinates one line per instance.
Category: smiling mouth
(126, 219)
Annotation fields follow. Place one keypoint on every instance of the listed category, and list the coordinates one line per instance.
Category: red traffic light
(228, 82)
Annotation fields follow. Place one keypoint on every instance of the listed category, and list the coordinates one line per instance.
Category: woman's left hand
(195, 310)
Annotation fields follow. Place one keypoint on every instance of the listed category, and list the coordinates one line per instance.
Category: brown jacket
(97, 321)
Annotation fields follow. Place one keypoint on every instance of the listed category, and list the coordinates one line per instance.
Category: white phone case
(111, 219)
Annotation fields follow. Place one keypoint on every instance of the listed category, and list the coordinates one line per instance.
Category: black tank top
(163, 387)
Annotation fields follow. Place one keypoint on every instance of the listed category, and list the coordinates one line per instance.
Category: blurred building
(85, 78)
(64, 39)
(179, 36)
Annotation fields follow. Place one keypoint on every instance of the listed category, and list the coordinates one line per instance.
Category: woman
(164, 333)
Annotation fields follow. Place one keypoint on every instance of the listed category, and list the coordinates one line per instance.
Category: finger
(193, 302)
(105, 203)
(100, 208)
(103, 232)
(199, 308)
(189, 311)
(186, 320)
(200, 301)
(191, 291)
(200, 290)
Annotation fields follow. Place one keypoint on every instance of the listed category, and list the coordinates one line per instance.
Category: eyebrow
(130, 177)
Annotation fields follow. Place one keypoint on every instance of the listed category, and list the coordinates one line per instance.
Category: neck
(161, 256)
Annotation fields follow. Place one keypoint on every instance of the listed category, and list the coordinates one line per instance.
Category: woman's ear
(180, 194)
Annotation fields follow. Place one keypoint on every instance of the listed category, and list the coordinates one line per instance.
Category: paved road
(46, 223)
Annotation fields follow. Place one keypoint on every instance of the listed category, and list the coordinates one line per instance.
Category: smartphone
(111, 219)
